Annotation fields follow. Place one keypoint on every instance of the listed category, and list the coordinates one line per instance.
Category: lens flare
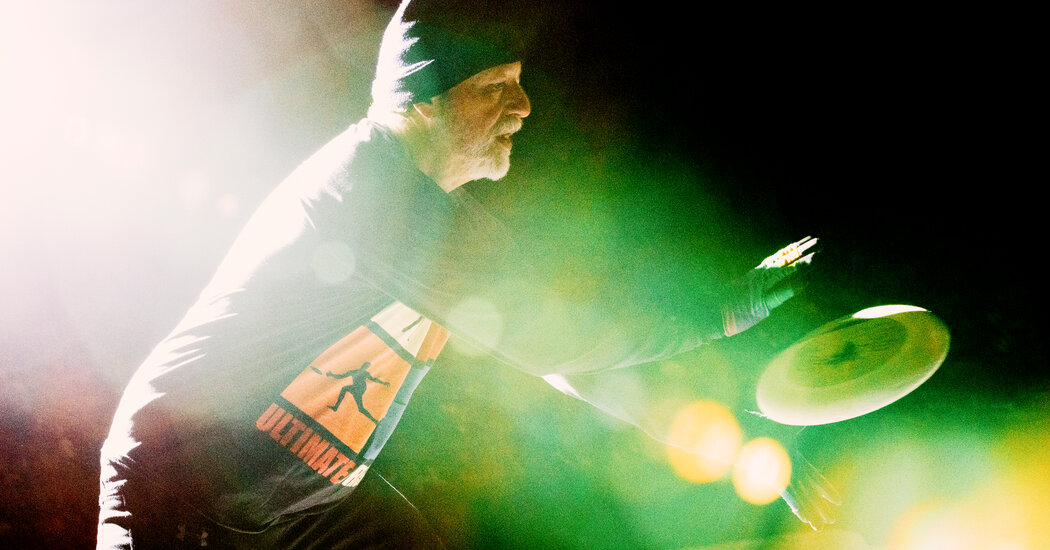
(333, 262)
(1006, 511)
(703, 441)
(485, 317)
(762, 471)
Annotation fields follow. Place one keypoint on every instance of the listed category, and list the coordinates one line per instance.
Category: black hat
(421, 59)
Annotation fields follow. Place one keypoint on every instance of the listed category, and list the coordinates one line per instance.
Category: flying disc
(853, 366)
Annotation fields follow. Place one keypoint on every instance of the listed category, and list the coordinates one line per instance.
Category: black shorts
(375, 515)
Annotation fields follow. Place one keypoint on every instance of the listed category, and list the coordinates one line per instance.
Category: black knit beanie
(421, 59)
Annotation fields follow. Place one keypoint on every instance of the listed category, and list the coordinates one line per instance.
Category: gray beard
(492, 162)
(486, 160)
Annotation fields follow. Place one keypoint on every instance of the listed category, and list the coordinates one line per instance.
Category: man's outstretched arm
(648, 396)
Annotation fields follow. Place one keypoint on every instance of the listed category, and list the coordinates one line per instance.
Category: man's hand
(767, 286)
(810, 496)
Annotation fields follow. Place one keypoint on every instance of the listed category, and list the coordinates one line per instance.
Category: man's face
(477, 117)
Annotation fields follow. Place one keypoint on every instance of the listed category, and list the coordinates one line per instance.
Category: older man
(349, 279)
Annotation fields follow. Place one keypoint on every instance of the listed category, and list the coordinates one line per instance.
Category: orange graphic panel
(350, 386)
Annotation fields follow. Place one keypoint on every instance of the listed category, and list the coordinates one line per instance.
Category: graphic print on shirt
(356, 387)
(350, 387)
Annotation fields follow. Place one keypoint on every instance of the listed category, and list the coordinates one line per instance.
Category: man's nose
(517, 101)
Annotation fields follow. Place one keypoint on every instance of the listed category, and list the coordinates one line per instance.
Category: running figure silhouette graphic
(358, 378)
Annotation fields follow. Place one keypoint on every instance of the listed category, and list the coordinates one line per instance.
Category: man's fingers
(788, 254)
(826, 519)
(766, 287)
(830, 495)
(810, 496)
(807, 243)
(823, 487)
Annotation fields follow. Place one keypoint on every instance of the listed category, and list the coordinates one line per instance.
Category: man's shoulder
(363, 139)
(365, 151)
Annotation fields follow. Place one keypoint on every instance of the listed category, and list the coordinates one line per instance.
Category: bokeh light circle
(762, 471)
(703, 441)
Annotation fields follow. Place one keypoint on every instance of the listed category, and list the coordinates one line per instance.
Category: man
(235, 431)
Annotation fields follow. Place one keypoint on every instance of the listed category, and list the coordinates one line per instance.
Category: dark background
(665, 141)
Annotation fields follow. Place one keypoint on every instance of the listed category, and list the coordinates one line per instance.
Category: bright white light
(562, 384)
(333, 262)
(228, 205)
(884, 311)
(762, 471)
(702, 442)
(193, 189)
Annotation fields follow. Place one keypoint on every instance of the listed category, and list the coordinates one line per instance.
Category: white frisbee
(853, 366)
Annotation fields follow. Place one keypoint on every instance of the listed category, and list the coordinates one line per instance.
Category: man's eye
(497, 86)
